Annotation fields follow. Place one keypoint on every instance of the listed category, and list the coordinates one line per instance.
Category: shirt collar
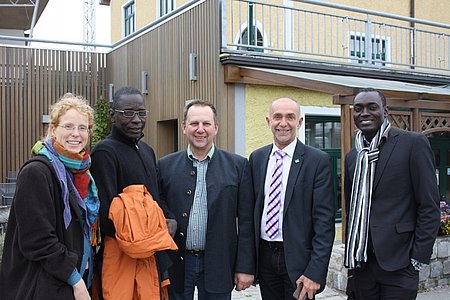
(289, 149)
(193, 158)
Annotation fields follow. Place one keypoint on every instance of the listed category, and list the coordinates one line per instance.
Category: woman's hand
(80, 291)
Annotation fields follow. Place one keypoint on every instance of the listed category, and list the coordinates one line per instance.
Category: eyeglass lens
(130, 113)
(71, 127)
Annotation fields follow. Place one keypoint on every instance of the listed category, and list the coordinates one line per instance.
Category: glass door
(440, 143)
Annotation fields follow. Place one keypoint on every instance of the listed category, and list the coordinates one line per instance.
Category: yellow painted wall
(116, 19)
(257, 101)
(146, 13)
(440, 11)
(398, 7)
(434, 10)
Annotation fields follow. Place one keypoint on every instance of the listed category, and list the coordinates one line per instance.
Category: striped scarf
(72, 170)
(361, 197)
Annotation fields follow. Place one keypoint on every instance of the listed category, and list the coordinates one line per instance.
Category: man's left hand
(310, 287)
(172, 226)
(243, 281)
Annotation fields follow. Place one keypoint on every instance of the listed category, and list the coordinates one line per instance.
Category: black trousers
(373, 283)
(274, 281)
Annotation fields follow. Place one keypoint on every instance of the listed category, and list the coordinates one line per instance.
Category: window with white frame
(129, 18)
(166, 6)
(251, 37)
(379, 47)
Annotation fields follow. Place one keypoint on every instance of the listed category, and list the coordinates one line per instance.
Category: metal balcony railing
(327, 32)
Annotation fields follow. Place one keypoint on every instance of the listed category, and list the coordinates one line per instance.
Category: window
(244, 40)
(379, 48)
(323, 132)
(165, 7)
(128, 18)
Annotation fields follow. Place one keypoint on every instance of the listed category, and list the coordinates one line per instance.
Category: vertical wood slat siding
(31, 80)
(164, 53)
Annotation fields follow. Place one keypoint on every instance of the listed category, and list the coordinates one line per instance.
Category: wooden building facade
(31, 80)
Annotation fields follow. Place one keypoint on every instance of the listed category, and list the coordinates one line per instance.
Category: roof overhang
(18, 14)
(344, 88)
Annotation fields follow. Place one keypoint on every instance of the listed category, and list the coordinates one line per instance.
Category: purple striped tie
(275, 188)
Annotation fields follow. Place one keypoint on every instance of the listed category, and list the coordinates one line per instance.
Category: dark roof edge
(334, 69)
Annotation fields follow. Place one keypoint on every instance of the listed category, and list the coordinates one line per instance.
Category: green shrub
(102, 127)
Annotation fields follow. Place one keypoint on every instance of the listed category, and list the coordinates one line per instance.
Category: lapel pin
(296, 160)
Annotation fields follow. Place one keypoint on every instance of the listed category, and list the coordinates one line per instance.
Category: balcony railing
(327, 32)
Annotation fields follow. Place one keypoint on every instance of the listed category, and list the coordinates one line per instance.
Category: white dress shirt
(287, 159)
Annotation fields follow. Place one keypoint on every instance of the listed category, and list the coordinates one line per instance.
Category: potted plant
(445, 218)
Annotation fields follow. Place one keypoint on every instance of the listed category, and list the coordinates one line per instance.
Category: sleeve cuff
(74, 277)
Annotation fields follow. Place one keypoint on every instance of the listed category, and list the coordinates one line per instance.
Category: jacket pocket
(405, 227)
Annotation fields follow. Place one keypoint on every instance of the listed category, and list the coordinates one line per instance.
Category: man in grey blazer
(208, 191)
(294, 209)
(392, 201)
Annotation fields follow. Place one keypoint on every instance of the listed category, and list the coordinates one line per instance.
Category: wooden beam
(346, 137)
(415, 96)
(343, 100)
(400, 102)
(232, 74)
(422, 104)
(415, 126)
(294, 81)
(235, 74)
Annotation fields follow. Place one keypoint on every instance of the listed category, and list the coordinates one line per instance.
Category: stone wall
(4, 213)
(437, 273)
(337, 273)
(2, 238)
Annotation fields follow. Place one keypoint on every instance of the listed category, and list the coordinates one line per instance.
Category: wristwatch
(416, 264)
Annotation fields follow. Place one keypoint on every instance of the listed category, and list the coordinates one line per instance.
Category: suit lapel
(296, 164)
(385, 154)
(262, 163)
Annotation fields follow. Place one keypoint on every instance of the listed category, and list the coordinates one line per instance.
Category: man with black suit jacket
(392, 202)
(208, 191)
(294, 209)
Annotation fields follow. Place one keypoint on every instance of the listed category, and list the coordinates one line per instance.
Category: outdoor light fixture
(111, 92)
(45, 119)
(192, 66)
(144, 77)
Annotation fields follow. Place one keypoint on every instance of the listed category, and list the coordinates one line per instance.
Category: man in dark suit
(392, 202)
(294, 209)
(208, 192)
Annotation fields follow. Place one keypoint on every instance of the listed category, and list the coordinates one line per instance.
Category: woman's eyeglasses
(71, 128)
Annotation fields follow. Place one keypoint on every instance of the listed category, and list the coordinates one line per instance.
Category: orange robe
(129, 267)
